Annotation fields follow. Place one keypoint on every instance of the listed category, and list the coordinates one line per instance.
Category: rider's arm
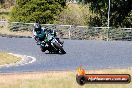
(34, 33)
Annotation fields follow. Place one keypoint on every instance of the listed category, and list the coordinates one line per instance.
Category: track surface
(89, 54)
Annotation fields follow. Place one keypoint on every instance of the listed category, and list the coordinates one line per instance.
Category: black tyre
(42, 49)
(60, 48)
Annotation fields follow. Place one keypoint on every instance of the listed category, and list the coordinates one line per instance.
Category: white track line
(25, 60)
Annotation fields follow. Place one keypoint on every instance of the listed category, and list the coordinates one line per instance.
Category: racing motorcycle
(52, 44)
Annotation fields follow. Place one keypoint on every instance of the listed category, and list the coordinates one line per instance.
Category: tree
(44, 11)
(120, 11)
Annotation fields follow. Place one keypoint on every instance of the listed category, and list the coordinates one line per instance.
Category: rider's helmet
(37, 27)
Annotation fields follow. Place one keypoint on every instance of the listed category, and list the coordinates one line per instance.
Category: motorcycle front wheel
(42, 49)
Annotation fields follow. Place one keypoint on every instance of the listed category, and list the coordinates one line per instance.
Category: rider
(39, 33)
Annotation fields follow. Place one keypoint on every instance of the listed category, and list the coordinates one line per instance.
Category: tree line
(47, 11)
(43, 11)
(120, 12)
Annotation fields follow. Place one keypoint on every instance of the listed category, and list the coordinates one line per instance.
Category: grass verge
(6, 58)
(57, 79)
(19, 33)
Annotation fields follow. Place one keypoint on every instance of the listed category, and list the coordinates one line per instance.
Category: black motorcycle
(52, 44)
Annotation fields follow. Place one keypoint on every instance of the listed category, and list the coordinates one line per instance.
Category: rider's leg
(37, 40)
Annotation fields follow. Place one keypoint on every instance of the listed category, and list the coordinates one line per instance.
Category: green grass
(4, 30)
(6, 58)
(57, 79)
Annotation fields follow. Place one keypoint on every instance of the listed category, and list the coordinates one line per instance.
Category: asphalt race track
(86, 53)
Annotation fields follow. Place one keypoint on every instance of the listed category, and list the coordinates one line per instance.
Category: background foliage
(56, 11)
(44, 11)
(120, 13)
(75, 14)
(6, 3)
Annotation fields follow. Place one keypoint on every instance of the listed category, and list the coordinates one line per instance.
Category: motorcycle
(52, 44)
